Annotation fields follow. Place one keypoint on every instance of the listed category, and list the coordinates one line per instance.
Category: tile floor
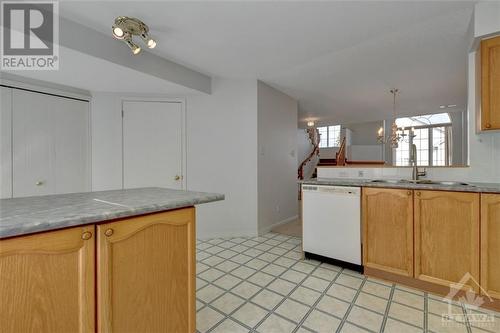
(261, 285)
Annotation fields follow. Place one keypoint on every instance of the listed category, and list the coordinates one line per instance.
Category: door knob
(39, 183)
(177, 177)
(488, 125)
(109, 232)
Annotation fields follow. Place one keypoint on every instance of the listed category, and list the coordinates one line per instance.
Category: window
(431, 136)
(329, 136)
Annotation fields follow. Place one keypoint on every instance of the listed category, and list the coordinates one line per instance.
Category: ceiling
(338, 59)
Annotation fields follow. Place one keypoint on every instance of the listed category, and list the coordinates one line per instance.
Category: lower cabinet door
(47, 282)
(490, 244)
(146, 273)
(447, 238)
(388, 230)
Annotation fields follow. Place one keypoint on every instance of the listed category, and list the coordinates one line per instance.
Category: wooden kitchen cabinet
(490, 244)
(47, 282)
(490, 83)
(447, 237)
(146, 273)
(388, 230)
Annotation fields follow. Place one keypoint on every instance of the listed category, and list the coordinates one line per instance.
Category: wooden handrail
(340, 155)
(314, 137)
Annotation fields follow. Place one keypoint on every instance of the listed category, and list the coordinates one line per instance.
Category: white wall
(277, 158)
(221, 153)
(222, 156)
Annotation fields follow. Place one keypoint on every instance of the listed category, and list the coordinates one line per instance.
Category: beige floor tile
(206, 318)
(227, 254)
(439, 308)
(365, 318)
(292, 310)
(267, 299)
(303, 267)
(293, 276)
(250, 314)
(342, 292)
(324, 273)
(262, 279)
(241, 258)
(229, 326)
(209, 293)
(200, 267)
(350, 328)
(316, 283)
(349, 281)
(320, 322)
(227, 281)
(256, 264)
(246, 290)
(407, 314)
(333, 306)
(278, 250)
(275, 324)
(269, 257)
(437, 325)
(371, 302)
(211, 274)
(394, 326)
(227, 303)
(305, 295)
(377, 289)
(253, 252)
(200, 283)
(199, 305)
(243, 272)
(285, 262)
(409, 299)
(274, 270)
(227, 266)
(282, 287)
(331, 267)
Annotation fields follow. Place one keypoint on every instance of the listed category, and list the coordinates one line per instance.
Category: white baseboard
(272, 226)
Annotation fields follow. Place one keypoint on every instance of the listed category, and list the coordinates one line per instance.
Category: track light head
(125, 28)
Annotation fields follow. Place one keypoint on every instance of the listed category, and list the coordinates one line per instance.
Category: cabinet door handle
(409, 192)
(109, 232)
(39, 183)
(86, 235)
(488, 125)
(418, 194)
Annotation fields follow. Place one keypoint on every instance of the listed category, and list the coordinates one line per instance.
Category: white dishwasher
(332, 224)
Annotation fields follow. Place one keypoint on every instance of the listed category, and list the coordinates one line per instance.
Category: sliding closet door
(5, 142)
(152, 144)
(51, 150)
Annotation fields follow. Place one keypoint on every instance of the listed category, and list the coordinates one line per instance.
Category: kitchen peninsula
(105, 261)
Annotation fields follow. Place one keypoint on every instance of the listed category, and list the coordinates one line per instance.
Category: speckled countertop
(472, 187)
(21, 216)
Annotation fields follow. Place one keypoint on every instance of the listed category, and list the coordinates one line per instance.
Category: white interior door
(152, 144)
(51, 146)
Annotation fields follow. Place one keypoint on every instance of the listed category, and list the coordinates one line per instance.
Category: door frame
(182, 102)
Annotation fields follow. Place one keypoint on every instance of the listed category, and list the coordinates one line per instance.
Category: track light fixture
(126, 27)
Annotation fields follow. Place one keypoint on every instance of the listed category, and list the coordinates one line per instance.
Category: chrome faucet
(415, 175)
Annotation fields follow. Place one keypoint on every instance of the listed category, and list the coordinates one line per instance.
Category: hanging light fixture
(127, 27)
(396, 134)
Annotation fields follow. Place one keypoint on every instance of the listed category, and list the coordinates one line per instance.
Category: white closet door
(152, 144)
(50, 144)
(5, 142)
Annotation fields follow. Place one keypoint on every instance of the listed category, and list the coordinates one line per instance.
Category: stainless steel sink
(391, 181)
(420, 181)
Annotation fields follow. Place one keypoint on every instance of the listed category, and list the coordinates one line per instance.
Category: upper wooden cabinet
(490, 84)
(388, 230)
(146, 273)
(490, 244)
(47, 282)
(447, 237)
